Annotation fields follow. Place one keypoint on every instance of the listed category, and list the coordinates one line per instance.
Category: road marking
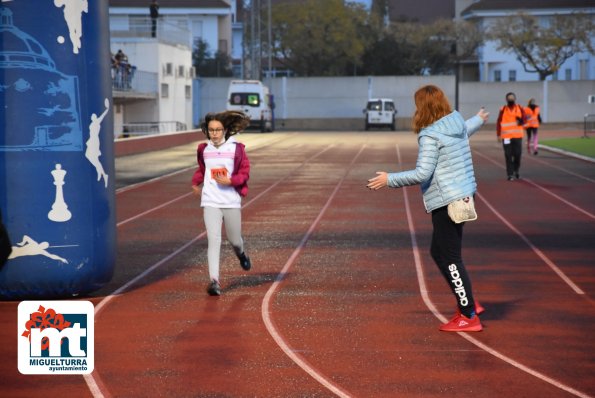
(577, 208)
(572, 173)
(265, 308)
(93, 380)
(424, 293)
(539, 253)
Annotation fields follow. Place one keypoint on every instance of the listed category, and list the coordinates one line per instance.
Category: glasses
(211, 131)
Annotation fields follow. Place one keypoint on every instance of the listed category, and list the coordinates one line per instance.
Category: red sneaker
(479, 309)
(462, 324)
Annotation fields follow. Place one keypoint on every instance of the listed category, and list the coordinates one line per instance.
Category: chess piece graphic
(29, 247)
(93, 151)
(59, 212)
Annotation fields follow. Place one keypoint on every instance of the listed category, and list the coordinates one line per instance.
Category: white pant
(214, 218)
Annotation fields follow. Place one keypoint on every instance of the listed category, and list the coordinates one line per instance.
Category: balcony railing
(141, 27)
(132, 81)
(151, 128)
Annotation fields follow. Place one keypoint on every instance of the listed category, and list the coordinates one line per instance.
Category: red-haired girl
(445, 171)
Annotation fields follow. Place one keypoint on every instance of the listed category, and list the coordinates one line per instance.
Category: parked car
(380, 112)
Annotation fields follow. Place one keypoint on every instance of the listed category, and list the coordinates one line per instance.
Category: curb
(566, 153)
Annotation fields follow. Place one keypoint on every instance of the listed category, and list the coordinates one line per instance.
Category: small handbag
(462, 210)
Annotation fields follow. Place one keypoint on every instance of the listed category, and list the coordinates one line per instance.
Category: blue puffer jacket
(444, 167)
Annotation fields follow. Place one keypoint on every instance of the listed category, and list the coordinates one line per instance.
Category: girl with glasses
(223, 170)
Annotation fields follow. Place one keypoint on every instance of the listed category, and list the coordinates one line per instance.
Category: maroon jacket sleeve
(199, 175)
(241, 173)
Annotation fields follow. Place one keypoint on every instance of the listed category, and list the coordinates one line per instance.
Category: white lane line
(266, 302)
(572, 173)
(424, 293)
(151, 210)
(539, 253)
(93, 380)
(577, 208)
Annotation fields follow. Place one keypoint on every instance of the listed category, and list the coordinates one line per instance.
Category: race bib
(506, 141)
(220, 172)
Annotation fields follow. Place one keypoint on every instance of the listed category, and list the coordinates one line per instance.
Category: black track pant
(512, 154)
(446, 245)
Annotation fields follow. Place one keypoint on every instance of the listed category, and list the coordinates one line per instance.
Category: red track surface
(337, 279)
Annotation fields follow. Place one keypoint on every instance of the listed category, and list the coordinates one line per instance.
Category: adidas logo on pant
(458, 282)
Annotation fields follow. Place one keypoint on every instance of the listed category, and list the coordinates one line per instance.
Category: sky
(365, 2)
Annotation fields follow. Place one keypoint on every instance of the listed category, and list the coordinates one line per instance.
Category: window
(168, 69)
(181, 70)
(583, 69)
(374, 106)
(497, 75)
(389, 106)
(568, 73)
(164, 90)
(250, 99)
(512, 75)
(188, 92)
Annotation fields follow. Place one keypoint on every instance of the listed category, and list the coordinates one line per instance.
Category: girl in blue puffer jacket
(444, 170)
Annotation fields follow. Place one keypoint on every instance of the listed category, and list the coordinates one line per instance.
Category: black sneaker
(517, 176)
(245, 262)
(214, 289)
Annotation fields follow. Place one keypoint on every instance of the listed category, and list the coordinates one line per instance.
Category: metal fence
(151, 128)
(589, 124)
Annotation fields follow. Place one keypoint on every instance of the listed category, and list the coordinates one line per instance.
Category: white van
(253, 98)
(380, 112)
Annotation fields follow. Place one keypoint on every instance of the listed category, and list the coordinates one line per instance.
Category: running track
(344, 299)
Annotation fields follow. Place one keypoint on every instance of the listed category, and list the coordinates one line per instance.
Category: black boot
(245, 262)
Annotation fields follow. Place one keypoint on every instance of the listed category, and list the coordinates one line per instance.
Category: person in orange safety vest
(509, 129)
(532, 122)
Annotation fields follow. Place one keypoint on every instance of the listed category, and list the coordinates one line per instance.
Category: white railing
(151, 128)
(141, 27)
(134, 81)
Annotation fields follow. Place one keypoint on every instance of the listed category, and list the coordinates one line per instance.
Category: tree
(435, 48)
(543, 47)
(207, 65)
(319, 38)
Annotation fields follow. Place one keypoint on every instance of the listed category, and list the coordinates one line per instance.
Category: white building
(157, 94)
(498, 66)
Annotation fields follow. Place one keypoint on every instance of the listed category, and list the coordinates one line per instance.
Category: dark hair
(233, 122)
(430, 105)
(507, 94)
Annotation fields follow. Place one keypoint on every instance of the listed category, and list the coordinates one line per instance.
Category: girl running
(224, 170)
(445, 171)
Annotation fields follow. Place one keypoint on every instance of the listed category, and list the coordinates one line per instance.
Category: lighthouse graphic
(32, 81)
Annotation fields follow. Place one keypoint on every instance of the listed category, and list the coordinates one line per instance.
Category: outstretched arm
(474, 124)
(427, 159)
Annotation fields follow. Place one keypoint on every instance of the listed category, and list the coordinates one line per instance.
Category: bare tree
(540, 45)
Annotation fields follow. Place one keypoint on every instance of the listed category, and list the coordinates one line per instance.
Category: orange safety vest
(531, 116)
(509, 126)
